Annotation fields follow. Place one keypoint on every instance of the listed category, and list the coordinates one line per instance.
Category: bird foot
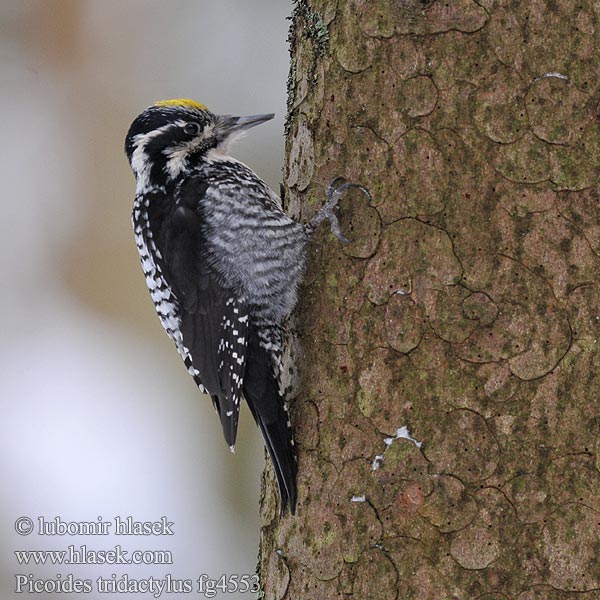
(334, 193)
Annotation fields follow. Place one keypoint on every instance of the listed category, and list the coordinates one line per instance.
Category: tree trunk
(448, 421)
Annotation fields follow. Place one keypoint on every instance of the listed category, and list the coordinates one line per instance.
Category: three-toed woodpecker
(223, 263)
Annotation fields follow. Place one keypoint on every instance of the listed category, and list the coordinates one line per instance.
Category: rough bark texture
(466, 309)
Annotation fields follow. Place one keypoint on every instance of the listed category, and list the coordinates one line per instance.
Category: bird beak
(229, 126)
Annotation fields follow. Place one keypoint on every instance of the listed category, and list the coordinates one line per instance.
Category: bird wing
(213, 320)
(225, 352)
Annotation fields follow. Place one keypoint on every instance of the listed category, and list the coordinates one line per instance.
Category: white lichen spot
(403, 433)
(377, 462)
(406, 290)
(358, 499)
(553, 74)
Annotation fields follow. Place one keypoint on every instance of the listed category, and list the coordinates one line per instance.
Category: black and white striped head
(171, 136)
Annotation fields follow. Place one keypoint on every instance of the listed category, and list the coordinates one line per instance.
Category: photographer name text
(126, 526)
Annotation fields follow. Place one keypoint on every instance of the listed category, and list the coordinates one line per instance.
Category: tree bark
(449, 415)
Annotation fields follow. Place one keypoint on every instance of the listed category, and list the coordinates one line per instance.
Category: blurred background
(99, 417)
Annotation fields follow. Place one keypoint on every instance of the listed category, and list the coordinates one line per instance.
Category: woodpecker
(223, 263)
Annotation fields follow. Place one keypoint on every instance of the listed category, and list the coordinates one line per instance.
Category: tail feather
(267, 406)
(284, 462)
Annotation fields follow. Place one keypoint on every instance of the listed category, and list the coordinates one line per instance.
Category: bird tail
(261, 390)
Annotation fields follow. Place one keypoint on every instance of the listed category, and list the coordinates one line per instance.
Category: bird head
(171, 136)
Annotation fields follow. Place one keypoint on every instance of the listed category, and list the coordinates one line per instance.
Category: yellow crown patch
(182, 102)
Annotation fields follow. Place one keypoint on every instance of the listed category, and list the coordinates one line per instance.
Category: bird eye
(192, 128)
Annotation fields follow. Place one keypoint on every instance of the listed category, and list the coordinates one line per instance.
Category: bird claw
(335, 191)
(334, 224)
